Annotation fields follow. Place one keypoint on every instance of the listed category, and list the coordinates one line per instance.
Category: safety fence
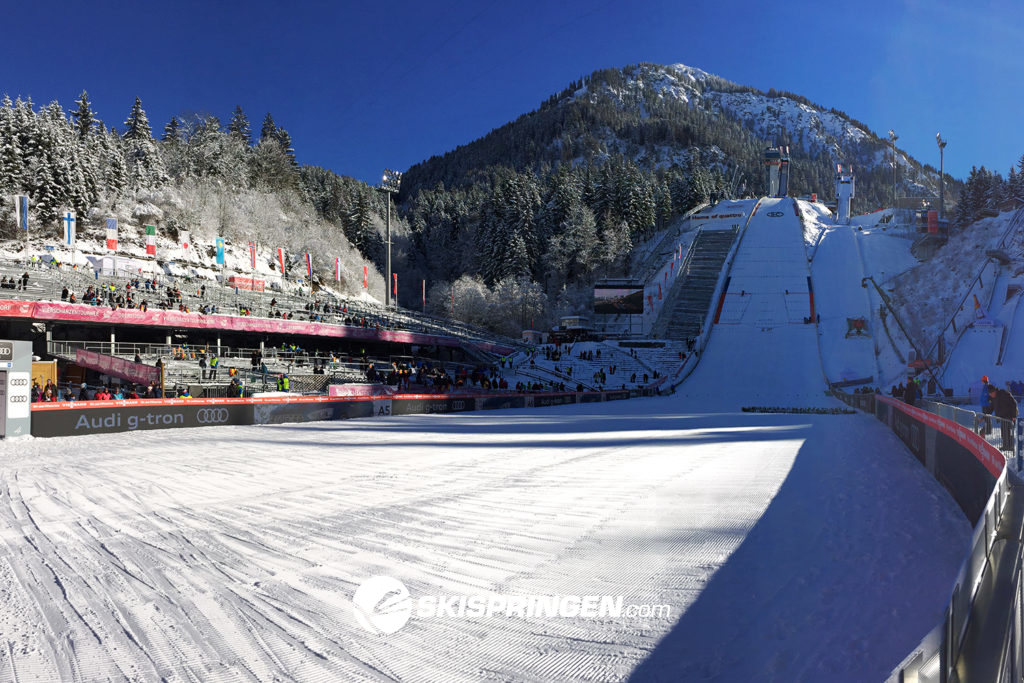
(999, 432)
(980, 636)
(105, 417)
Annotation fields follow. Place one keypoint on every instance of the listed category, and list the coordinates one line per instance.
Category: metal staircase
(684, 312)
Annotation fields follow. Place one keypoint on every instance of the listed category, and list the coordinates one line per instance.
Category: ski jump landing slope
(788, 547)
(761, 352)
(838, 272)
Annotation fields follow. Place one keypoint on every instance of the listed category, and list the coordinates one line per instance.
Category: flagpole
(25, 218)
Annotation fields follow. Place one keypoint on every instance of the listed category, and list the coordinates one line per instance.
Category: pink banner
(118, 367)
(360, 390)
(44, 310)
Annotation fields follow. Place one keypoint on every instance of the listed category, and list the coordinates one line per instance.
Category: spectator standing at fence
(911, 393)
(1005, 408)
(986, 406)
(214, 363)
(202, 366)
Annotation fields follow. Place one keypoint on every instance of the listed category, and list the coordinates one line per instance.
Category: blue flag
(220, 251)
(23, 211)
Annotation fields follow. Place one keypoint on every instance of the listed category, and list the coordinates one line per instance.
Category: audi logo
(776, 214)
(18, 399)
(212, 416)
(19, 382)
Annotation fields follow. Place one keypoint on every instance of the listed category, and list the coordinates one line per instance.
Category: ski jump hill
(763, 349)
(848, 357)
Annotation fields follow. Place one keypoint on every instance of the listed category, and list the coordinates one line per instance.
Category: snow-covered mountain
(663, 115)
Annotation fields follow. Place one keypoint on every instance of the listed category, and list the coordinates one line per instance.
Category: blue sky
(361, 86)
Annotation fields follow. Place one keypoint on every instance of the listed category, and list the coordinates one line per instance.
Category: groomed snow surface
(788, 547)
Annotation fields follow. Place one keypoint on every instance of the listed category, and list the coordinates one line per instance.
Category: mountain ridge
(658, 114)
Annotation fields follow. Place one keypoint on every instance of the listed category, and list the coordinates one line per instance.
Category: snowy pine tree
(239, 127)
(145, 168)
(172, 131)
(113, 166)
(12, 169)
(269, 129)
(285, 141)
(84, 117)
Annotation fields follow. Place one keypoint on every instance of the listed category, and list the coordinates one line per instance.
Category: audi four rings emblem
(776, 214)
(212, 416)
(18, 399)
(20, 382)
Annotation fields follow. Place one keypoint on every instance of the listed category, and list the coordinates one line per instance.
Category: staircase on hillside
(684, 312)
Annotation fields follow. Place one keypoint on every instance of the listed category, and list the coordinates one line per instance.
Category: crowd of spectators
(52, 392)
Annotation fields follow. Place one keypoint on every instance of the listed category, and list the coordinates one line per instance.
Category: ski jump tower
(776, 164)
(844, 193)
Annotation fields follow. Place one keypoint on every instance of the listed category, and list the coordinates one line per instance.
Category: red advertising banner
(987, 454)
(139, 373)
(247, 283)
(933, 222)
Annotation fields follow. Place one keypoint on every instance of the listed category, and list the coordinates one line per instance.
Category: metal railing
(997, 431)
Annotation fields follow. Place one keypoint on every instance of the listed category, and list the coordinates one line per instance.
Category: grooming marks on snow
(232, 554)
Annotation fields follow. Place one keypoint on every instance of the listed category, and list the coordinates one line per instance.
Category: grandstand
(317, 338)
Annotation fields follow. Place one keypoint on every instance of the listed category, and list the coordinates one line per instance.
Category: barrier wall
(979, 638)
(103, 417)
(106, 417)
(962, 461)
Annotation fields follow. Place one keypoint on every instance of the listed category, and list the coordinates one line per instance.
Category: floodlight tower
(390, 185)
(942, 178)
(892, 141)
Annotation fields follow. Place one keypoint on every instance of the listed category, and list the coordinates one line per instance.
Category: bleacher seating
(46, 282)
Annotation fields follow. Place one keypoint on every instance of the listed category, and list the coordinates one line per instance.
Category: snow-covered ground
(786, 546)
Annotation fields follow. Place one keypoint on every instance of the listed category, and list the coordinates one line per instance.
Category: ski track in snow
(231, 553)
